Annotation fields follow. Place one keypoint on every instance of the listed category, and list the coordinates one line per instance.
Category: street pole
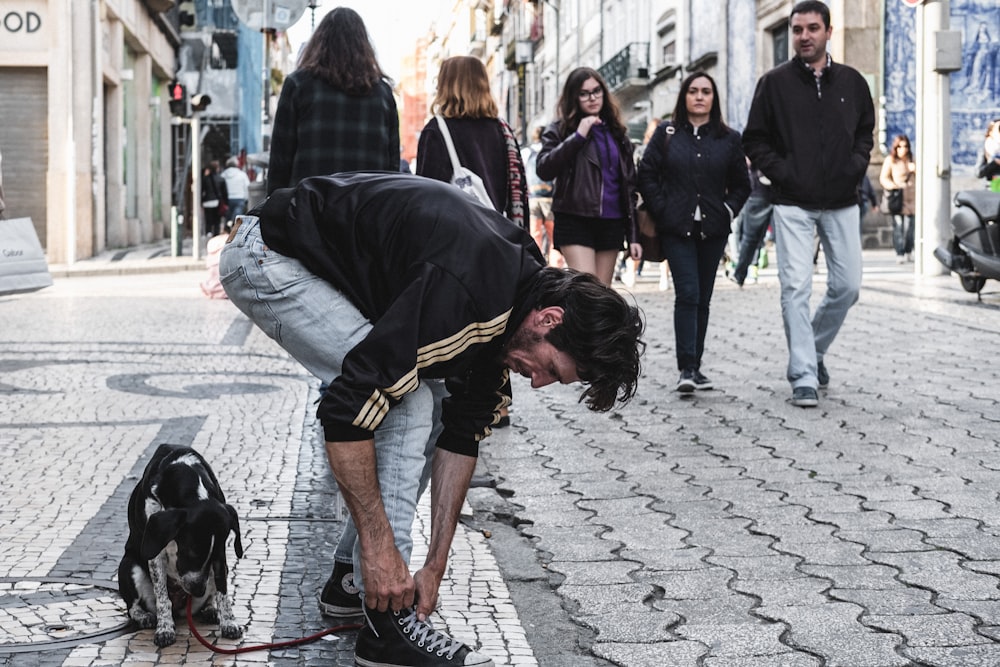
(933, 128)
(558, 76)
(195, 186)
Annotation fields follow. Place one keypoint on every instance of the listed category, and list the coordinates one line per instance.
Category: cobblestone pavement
(732, 528)
(720, 530)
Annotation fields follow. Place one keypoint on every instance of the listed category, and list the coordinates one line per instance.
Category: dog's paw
(230, 630)
(164, 638)
(144, 619)
(208, 615)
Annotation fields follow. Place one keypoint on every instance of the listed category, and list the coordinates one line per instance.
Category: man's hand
(387, 580)
(428, 582)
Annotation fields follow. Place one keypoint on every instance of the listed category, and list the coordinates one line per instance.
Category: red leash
(261, 647)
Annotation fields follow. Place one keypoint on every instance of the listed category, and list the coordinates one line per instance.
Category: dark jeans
(902, 234)
(693, 265)
(236, 207)
(754, 221)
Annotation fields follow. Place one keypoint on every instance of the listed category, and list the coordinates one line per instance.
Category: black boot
(398, 639)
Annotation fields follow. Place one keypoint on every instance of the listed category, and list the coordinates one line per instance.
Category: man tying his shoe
(383, 285)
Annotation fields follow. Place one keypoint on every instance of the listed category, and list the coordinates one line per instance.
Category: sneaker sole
(335, 611)
(686, 387)
(805, 402)
(361, 662)
(704, 387)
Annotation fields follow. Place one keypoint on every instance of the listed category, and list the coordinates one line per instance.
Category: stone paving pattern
(720, 530)
(732, 528)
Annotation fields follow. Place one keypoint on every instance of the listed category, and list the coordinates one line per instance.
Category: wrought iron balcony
(629, 67)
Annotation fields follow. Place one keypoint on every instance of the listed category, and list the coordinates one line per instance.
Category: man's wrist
(436, 566)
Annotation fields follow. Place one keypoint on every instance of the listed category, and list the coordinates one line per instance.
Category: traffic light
(178, 96)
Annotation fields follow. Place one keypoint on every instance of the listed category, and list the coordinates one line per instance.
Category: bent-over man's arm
(388, 584)
(450, 477)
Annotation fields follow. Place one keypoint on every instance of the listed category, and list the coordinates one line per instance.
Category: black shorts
(597, 233)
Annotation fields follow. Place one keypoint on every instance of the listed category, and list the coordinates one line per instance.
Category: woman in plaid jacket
(336, 112)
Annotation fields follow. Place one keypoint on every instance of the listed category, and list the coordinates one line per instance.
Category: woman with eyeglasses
(588, 154)
(899, 172)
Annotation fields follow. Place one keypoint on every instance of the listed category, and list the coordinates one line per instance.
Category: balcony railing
(630, 63)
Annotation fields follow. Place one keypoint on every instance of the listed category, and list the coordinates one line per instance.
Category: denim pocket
(235, 267)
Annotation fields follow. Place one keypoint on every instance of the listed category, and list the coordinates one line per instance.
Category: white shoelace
(426, 636)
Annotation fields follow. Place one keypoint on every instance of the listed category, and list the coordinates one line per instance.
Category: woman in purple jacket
(588, 154)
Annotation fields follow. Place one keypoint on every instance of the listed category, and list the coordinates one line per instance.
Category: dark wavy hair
(341, 53)
(569, 104)
(599, 330)
(715, 121)
(812, 7)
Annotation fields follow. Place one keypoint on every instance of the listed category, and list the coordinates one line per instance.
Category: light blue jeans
(810, 337)
(316, 324)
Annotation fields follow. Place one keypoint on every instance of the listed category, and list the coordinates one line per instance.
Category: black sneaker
(805, 397)
(822, 376)
(398, 639)
(340, 597)
(686, 383)
(701, 382)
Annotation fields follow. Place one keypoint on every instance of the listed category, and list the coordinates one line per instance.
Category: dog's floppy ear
(161, 527)
(236, 529)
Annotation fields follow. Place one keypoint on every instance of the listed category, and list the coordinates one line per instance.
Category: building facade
(86, 131)
(91, 151)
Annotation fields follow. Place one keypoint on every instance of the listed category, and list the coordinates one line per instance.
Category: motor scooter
(974, 250)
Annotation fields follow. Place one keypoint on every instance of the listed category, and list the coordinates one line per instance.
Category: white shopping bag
(23, 267)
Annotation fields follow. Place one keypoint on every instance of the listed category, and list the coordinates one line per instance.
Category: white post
(933, 141)
(196, 212)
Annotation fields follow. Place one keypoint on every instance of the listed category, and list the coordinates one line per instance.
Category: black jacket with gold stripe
(443, 280)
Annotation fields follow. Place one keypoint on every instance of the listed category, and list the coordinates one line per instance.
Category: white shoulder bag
(462, 178)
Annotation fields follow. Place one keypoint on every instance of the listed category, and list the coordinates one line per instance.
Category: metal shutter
(24, 143)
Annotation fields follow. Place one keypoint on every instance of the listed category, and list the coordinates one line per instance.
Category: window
(666, 39)
(779, 43)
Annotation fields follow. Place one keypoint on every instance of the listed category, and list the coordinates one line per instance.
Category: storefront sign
(21, 22)
(23, 27)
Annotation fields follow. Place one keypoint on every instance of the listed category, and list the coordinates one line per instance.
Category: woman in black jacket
(694, 186)
(588, 154)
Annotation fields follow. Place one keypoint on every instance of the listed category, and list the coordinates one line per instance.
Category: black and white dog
(178, 523)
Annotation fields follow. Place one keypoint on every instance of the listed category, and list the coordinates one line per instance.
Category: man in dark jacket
(810, 132)
(382, 284)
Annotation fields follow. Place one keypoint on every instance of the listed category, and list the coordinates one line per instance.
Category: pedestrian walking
(214, 198)
(809, 131)
(867, 201)
(630, 269)
(484, 142)
(588, 154)
(899, 172)
(754, 220)
(694, 186)
(385, 284)
(542, 224)
(336, 112)
(237, 188)
(988, 162)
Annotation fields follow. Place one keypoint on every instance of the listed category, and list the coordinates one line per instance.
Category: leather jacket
(573, 163)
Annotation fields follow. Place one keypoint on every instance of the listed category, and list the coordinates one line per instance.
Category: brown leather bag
(652, 250)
